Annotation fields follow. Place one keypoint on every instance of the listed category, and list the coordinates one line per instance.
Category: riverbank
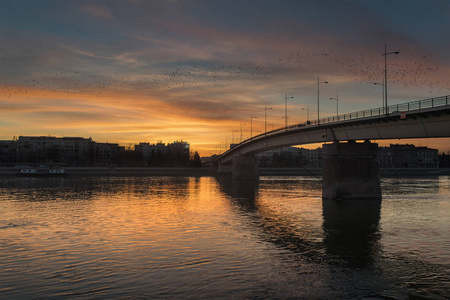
(414, 172)
(88, 171)
(391, 172)
(206, 171)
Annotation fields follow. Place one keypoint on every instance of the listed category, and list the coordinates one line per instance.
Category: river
(215, 238)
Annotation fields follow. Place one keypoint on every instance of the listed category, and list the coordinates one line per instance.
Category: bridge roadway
(429, 118)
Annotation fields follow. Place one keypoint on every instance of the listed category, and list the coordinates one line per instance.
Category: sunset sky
(146, 71)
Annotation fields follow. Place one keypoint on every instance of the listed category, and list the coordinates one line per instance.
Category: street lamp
(226, 142)
(232, 133)
(251, 124)
(318, 84)
(307, 112)
(285, 109)
(385, 75)
(382, 84)
(265, 117)
(241, 132)
(337, 106)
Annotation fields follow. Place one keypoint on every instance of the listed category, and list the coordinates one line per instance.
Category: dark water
(194, 238)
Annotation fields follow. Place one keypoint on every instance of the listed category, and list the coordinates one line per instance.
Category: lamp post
(241, 133)
(307, 112)
(232, 134)
(382, 84)
(318, 84)
(385, 74)
(337, 106)
(265, 117)
(251, 124)
(285, 109)
(226, 142)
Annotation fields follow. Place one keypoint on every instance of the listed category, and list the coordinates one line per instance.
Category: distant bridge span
(429, 118)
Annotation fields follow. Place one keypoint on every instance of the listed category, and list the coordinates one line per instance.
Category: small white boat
(42, 171)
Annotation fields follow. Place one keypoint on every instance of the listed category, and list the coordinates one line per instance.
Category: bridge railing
(403, 107)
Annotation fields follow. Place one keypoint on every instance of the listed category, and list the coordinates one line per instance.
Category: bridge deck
(419, 119)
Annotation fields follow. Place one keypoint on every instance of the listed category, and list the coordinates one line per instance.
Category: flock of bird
(417, 72)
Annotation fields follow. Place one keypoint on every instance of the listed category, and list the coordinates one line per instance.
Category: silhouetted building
(427, 158)
(312, 157)
(108, 155)
(152, 153)
(291, 157)
(80, 152)
(444, 160)
(386, 157)
(174, 154)
(179, 148)
(65, 151)
(8, 153)
(408, 156)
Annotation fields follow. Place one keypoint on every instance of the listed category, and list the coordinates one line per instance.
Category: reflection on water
(189, 238)
(352, 231)
(242, 192)
(427, 185)
(350, 227)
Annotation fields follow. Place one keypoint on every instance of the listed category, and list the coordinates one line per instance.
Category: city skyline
(130, 71)
(80, 151)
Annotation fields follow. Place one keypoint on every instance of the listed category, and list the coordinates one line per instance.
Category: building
(179, 149)
(444, 160)
(107, 154)
(152, 151)
(386, 157)
(175, 154)
(291, 157)
(65, 151)
(81, 152)
(312, 157)
(427, 158)
(408, 156)
(8, 153)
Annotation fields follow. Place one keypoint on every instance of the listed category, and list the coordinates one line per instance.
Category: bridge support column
(224, 169)
(350, 170)
(245, 167)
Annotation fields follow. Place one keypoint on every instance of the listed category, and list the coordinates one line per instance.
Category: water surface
(190, 238)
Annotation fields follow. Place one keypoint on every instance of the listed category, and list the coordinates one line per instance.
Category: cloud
(78, 51)
(198, 69)
(96, 10)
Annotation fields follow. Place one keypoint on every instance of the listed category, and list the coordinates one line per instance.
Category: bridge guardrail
(402, 107)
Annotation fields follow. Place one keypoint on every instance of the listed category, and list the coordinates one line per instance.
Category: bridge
(428, 118)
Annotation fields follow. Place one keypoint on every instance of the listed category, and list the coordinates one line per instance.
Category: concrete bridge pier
(245, 167)
(224, 169)
(350, 171)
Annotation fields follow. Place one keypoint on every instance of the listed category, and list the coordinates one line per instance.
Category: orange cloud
(176, 73)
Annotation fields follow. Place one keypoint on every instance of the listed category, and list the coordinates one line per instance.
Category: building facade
(49, 150)
(8, 153)
(408, 156)
(65, 152)
(291, 157)
(176, 153)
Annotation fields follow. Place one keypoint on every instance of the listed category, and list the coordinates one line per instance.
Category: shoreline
(391, 172)
(121, 171)
(208, 171)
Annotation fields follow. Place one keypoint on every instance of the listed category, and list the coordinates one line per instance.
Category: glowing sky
(147, 71)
